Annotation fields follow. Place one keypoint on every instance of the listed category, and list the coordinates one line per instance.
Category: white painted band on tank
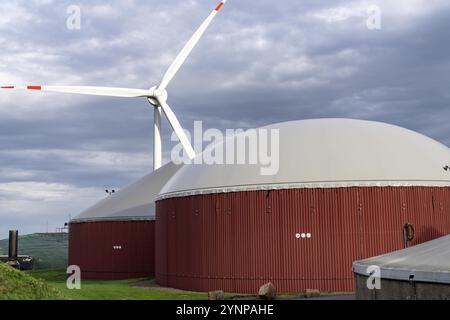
(306, 185)
(113, 219)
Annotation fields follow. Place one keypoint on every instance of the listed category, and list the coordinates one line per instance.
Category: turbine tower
(156, 96)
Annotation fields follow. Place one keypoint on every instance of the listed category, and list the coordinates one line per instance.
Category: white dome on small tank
(325, 153)
(135, 202)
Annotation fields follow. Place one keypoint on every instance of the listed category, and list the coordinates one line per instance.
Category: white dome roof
(135, 202)
(327, 153)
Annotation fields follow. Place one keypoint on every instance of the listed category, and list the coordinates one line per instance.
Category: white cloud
(11, 173)
(34, 205)
(14, 15)
(101, 11)
(88, 160)
(339, 14)
(36, 192)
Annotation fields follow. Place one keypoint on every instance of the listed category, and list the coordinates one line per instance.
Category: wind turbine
(156, 96)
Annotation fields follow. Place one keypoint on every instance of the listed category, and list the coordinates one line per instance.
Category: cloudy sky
(260, 62)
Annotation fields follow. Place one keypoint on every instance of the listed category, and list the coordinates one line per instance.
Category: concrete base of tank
(401, 290)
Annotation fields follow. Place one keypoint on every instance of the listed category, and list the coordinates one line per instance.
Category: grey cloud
(260, 62)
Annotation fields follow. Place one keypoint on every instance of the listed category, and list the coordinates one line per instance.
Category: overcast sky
(260, 62)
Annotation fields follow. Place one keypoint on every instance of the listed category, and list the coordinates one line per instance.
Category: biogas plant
(343, 191)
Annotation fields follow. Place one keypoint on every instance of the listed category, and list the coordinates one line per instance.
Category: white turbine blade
(100, 91)
(182, 56)
(176, 126)
(96, 91)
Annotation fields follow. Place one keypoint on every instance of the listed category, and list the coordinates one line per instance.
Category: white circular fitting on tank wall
(303, 235)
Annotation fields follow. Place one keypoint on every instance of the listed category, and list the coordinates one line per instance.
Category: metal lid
(427, 262)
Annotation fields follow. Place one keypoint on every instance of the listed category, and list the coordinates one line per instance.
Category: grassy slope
(16, 285)
(49, 250)
(110, 290)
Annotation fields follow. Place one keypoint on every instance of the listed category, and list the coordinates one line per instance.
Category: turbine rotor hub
(156, 95)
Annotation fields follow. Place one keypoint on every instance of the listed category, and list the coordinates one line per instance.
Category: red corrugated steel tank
(238, 241)
(343, 192)
(115, 238)
(113, 249)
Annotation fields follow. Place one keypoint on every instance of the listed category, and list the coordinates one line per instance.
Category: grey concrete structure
(421, 272)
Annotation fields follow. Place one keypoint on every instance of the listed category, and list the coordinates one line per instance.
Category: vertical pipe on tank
(13, 245)
(408, 234)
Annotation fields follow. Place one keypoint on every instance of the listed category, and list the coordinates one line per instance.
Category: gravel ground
(151, 285)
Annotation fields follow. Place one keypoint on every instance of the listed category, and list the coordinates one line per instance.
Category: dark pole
(408, 234)
(405, 235)
(13, 245)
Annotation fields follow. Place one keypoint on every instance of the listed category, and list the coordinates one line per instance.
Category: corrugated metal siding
(91, 247)
(238, 241)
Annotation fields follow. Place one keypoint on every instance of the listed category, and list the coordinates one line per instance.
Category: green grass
(16, 285)
(110, 289)
(50, 250)
(51, 284)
